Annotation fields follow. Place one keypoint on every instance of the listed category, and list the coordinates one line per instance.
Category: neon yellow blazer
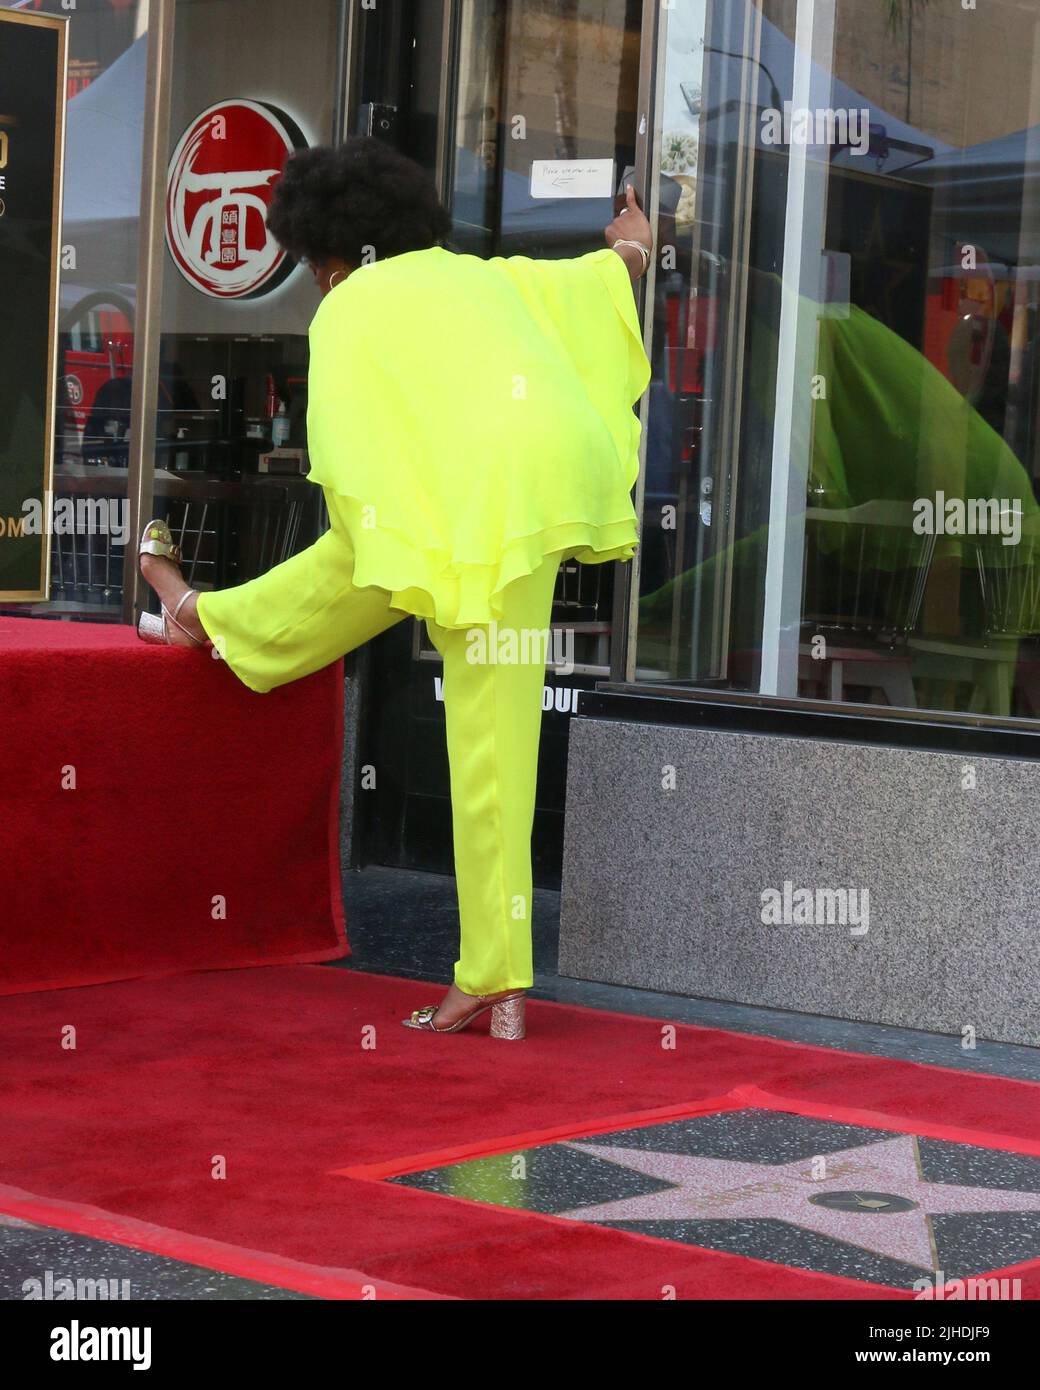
(476, 416)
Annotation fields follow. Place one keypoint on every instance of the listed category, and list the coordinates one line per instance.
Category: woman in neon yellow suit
(471, 425)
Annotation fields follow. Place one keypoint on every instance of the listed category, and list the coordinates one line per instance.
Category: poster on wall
(32, 121)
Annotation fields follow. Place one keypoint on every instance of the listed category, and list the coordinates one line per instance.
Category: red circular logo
(218, 190)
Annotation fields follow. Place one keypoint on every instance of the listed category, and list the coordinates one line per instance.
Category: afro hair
(358, 201)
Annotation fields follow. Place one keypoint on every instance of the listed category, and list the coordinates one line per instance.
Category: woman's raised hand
(630, 226)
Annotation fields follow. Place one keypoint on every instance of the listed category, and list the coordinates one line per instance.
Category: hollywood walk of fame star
(719, 1189)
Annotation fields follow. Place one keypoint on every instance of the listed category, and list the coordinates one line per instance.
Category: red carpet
(291, 1074)
(193, 797)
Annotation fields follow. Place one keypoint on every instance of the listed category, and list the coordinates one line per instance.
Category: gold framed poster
(32, 139)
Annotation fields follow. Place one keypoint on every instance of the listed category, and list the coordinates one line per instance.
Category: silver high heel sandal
(507, 1017)
(153, 627)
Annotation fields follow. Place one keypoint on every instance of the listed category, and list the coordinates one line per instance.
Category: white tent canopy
(104, 143)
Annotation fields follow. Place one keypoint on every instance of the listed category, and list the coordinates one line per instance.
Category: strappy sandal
(153, 627)
(507, 1017)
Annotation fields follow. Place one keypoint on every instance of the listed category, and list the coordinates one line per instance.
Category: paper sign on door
(572, 178)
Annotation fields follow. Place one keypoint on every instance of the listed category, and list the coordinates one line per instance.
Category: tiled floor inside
(886, 1209)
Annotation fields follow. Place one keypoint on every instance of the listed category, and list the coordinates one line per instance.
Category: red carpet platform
(157, 816)
(303, 1081)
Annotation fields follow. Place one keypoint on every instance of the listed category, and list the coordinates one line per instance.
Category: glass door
(252, 81)
(537, 126)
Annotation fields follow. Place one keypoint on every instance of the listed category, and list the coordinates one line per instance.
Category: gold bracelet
(645, 251)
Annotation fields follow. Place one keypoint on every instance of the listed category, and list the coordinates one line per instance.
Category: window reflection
(230, 422)
(841, 476)
(540, 82)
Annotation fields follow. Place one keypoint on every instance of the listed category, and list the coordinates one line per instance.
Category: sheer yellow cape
(476, 416)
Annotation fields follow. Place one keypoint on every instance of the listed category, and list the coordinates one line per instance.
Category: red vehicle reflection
(96, 368)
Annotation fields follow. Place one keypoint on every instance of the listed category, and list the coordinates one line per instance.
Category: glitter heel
(507, 1017)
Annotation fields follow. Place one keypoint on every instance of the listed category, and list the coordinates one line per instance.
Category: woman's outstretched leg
(296, 619)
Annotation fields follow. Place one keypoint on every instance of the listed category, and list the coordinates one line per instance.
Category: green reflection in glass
(498, 1180)
(890, 430)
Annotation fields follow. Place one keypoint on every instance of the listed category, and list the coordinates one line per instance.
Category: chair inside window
(864, 577)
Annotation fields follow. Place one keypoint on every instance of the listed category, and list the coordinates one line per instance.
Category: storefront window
(546, 123)
(839, 499)
(545, 133)
(107, 43)
(250, 85)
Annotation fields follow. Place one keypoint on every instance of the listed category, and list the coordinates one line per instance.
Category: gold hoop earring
(332, 278)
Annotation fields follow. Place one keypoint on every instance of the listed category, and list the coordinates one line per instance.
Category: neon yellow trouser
(306, 613)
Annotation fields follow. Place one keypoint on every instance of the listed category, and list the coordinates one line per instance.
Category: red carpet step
(156, 815)
(302, 1084)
